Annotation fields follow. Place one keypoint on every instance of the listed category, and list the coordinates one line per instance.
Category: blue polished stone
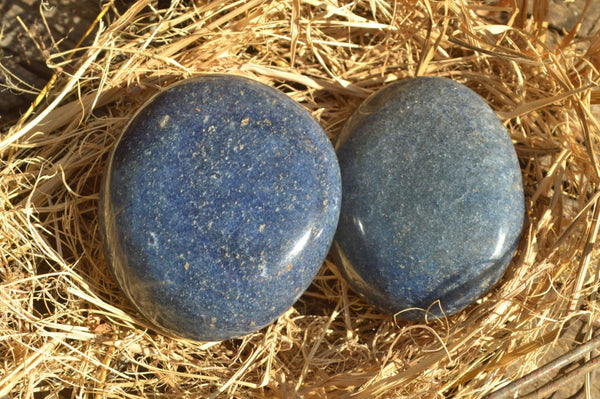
(432, 192)
(218, 207)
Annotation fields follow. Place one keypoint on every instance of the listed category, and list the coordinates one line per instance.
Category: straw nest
(67, 330)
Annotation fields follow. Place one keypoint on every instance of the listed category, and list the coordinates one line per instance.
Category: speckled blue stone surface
(219, 205)
(432, 204)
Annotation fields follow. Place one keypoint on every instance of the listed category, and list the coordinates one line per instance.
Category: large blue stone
(218, 207)
(432, 204)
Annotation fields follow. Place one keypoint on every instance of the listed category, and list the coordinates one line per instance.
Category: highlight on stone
(432, 203)
(219, 204)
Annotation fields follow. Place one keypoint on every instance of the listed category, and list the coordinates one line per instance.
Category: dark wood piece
(23, 52)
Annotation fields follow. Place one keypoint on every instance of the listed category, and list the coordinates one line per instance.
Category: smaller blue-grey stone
(219, 204)
(433, 205)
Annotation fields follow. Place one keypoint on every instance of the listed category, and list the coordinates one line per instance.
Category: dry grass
(67, 330)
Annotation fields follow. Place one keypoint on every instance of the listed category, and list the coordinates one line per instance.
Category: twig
(512, 389)
(562, 381)
(52, 80)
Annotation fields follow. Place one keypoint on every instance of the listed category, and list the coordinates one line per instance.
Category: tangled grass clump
(66, 328)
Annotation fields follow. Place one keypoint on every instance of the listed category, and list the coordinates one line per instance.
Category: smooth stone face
(219, 205)
(432, 192)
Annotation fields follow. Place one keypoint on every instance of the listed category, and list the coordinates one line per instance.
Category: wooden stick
(553, 386)
(516, 387)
